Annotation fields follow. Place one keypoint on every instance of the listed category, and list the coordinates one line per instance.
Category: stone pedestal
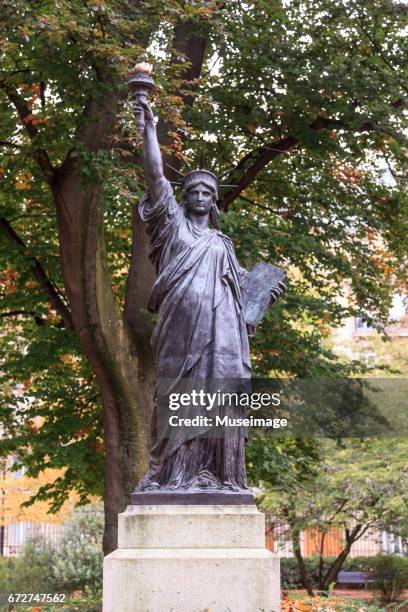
(191, 558)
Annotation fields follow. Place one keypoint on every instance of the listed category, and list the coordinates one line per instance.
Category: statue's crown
(199, 176)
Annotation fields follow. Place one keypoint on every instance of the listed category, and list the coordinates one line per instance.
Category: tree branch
(7, 143)
(29, 313)
(282, 213)
(264, 154)
(191, 43)
(335, 567)
(24, 113)
(377, 48)
(39, 273)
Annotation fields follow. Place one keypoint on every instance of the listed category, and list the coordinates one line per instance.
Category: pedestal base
(191, 496)
(191, 559)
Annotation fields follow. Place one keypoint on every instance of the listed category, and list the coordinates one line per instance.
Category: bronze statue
(201, 330)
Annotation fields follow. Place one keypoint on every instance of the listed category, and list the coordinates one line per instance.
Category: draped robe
(200, 333)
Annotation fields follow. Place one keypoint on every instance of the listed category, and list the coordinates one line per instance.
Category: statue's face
(199, 199)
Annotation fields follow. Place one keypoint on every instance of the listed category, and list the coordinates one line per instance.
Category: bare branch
(7, 143)
(39, 273)
(40, 321)
(282, 213)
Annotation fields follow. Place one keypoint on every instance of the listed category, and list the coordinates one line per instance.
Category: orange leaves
(177, 142)
(36, 89)
(8, 280)
(290, 605)
(251, 128)
(302, 607)
(317, 604)
(67, 358)
(23, 181)
(371, 233)
(83, 432)
(347, 173)
(18, 489)
(121, 232)
(207, 11)
(174, 99)
(99, 446)
(30, 284)
(26, 385)
(35, 120)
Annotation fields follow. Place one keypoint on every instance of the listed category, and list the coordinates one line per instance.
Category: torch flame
(143, 67)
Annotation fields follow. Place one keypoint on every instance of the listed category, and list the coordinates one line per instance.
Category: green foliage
(352, 485)
(317, 211)
(53, 397)
(29, 573)
(77, 559)
(74, 563)
(391, 576)
(282, 462)
(363, 481)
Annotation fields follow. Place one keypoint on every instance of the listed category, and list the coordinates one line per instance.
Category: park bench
(353, 578)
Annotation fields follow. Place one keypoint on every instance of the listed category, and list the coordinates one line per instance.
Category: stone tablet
(264, 283)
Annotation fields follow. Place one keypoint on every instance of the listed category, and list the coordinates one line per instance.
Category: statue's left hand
(141, 107)
(277, 292)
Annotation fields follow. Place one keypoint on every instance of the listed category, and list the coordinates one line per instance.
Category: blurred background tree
(350, 485)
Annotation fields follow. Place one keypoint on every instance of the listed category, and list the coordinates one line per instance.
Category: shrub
(78, 557)
(72, 564)
(391, 576)
(290, 576)
(29, 573)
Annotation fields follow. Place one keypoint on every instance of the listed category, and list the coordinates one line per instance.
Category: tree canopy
(301, 104)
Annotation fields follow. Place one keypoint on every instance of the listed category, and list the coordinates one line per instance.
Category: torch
(140, 84)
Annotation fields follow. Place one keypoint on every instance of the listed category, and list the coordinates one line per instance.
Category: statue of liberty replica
(201, 333)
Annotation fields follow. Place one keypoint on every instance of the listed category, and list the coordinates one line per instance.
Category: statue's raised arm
(152, 159)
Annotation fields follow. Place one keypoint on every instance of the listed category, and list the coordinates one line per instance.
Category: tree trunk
(106, 342)
(140, 281)
(301, 564)
(331, 574)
